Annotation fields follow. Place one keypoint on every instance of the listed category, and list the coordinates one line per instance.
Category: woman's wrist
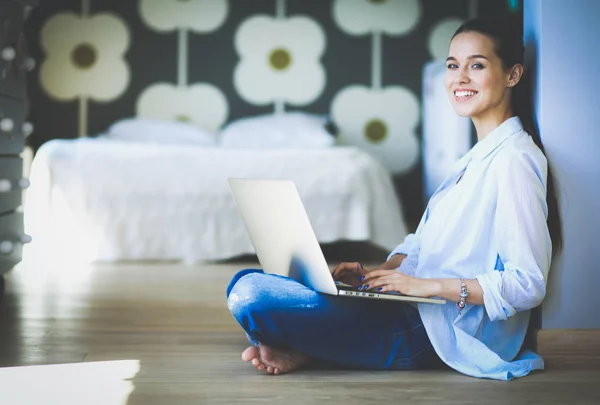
(450, 289)
(435, 287)
(394, 262)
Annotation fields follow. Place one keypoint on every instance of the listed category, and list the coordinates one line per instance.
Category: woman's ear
(516, 73)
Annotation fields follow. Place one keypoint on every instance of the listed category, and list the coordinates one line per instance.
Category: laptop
(285, 242)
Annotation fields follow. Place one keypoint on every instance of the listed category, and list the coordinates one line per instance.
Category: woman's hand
(392, 280)
(349, 273)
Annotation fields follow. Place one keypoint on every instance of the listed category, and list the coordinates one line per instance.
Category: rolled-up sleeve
(404, 247)
(408, 246)
(522, 237)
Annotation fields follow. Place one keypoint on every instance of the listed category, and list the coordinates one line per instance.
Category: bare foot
(274, 361)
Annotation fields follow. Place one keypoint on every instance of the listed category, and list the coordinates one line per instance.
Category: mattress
(105, 200)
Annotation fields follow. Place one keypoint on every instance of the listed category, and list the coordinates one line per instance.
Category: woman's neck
(484, 125)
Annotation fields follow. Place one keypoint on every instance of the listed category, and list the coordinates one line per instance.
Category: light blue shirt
(491, 226)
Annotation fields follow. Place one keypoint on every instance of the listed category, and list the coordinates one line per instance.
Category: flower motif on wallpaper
(380, 121)
(360, 17)
(279, 60)
(84, 56)
(201, 104)
(440, 35)
(196, 15)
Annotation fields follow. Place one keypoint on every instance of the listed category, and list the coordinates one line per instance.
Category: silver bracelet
(464, 293)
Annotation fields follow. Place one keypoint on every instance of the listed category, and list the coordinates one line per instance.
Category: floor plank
(161, 334)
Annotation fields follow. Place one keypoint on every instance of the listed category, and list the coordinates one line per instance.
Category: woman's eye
(451, 66)
(477, 66)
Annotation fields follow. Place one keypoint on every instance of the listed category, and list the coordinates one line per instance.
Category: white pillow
(149, 130)
(288, 130)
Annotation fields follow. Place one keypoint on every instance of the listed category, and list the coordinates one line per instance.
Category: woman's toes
(276, 371)
(250, 353)
(270, 370)
(255, 362)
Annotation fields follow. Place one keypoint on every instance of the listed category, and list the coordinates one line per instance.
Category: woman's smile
(462, 95)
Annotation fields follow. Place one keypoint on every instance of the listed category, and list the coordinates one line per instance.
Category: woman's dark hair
(507, 35)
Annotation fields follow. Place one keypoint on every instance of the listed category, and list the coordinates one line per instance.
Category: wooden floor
(161, 334)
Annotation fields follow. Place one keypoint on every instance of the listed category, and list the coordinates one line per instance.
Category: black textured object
(13, 129)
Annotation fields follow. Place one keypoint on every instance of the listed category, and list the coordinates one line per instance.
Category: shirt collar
(495, 138)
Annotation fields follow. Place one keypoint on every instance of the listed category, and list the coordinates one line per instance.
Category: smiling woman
(477, 81)
(505, 69)
(484, 243)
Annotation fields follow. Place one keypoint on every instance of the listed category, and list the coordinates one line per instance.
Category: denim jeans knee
(243, 293)
(238, 276)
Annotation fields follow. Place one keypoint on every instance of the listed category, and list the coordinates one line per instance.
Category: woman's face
(475, 80)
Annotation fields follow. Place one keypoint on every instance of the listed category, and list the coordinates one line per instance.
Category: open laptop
(285, 242)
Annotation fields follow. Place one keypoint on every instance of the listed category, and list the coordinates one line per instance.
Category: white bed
(107, 200)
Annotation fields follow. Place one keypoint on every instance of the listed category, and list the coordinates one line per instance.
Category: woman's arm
(523, 243)
(447, 288)
(393, 263)
(522, 238)
(351, 273)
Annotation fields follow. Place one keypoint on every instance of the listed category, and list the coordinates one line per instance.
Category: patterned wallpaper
(211, 61)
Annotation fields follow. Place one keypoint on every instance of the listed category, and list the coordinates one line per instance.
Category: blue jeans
(342, 331)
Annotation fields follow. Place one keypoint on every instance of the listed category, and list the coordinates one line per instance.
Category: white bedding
(106, 200)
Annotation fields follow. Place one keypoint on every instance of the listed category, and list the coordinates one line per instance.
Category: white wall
(563, 39)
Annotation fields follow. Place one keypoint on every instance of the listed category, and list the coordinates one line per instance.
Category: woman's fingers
(396, 281)
(339, 269)
(384, 280)
(348, 273)
(378, 282)
(372, 275)
(345, 267)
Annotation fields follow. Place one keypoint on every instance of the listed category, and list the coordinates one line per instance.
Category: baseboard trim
(577, 347)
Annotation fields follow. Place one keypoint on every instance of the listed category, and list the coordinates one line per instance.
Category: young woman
(484, 244)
